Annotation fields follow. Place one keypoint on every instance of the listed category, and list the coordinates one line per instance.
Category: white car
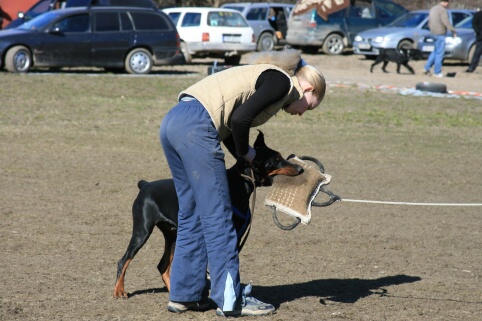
(212, 32)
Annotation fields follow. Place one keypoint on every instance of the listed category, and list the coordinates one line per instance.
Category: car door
(360, 16)
(111, 39)
(282, 14)
(257, 17)
(67, 43)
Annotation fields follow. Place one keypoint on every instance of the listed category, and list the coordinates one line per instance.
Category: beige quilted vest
(221, 92)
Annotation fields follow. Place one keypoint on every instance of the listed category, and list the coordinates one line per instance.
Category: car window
(79, 3)
(174, 16)
(389, 9)
(319, 20)
(77, 23)
(226, 19)
(40, 22)
(257, 14)
(458, 16)
(360, 9)
(191, 19)
(409, 20)
(149, 21)
(126, 22)
(466, 23)
(106, 21)
(233, 19)
(214, 19)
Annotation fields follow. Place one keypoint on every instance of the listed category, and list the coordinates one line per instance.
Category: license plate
(364, 46)
(428, 48)
(231, 38)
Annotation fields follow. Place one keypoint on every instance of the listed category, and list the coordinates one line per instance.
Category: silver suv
(309, 32)
(268, 20)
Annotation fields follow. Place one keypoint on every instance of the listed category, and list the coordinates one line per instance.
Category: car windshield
(466, 23)
(39, 22)
(410, 20)
(226, 19)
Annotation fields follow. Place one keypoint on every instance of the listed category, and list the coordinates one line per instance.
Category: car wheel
(266, 42)
(405, 44)
(185, 53)
(333, 45)
(232, 60)
(18, 59)
(431, 87)
(311, 50)
(139, 61)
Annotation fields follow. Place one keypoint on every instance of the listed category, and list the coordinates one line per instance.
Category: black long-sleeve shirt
(271, 86)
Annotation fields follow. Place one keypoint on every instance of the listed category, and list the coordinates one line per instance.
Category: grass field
(73, 146)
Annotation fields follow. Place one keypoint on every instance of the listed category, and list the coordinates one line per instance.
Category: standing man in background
(438, 23)
(477, 25)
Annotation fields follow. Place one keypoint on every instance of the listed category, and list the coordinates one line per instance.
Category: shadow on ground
(336, 290)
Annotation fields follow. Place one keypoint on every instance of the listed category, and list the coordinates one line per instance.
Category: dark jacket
(477, 24)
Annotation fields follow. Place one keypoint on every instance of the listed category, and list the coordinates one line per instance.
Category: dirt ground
(68, 179)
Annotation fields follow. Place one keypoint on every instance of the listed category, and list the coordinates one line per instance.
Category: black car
(134, 39)
(43, 6)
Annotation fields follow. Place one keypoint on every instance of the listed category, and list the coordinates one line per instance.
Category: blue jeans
(437, 55)
(206, 234)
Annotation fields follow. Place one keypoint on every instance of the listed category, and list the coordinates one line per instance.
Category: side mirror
(55, 30)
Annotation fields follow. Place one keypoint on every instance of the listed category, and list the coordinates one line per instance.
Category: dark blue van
(47, 5)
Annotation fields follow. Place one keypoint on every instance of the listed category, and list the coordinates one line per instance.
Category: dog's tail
(142, 183)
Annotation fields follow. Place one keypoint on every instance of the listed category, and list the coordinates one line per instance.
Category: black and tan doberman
(157, 205)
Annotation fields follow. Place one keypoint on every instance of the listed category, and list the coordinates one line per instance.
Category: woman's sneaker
(249, 307)
(180, 307)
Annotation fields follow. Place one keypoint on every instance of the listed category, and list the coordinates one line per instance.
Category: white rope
(409, 203)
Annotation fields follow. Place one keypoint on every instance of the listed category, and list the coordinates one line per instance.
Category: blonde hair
(315, 78)
(289, 60)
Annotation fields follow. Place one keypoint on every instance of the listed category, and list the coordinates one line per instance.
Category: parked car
(269, 21)
(405, 32)
(310, 32)
(212, 32)
(460, 48)
(43, 6)
(134, 39)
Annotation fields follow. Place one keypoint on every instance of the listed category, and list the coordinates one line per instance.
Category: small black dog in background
(399, 56)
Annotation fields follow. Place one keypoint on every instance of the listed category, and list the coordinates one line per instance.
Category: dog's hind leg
(136, 243)
(165, 263)
(409, 68)
(141, 231)
(119, 291)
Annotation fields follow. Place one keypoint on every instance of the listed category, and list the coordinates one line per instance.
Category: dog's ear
(259, 140)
